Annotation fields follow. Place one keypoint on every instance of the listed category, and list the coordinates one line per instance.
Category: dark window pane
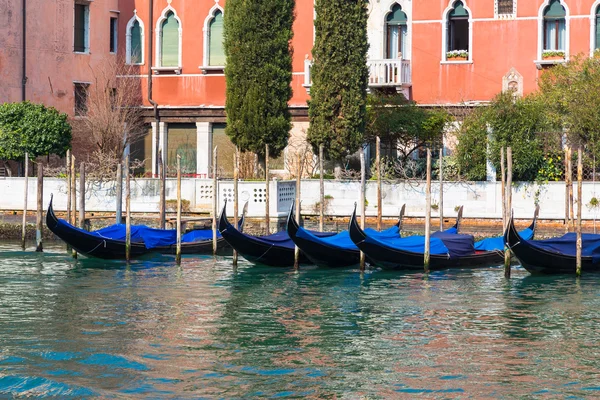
(81, 99)
(113, 35)
(505, 6)
(136, 43)
(80, 28)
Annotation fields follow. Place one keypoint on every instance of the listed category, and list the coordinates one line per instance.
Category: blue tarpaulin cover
(567, 245)
(282, 239)
(151, 237)
(452, 244)
(342, 240)
(497, 243)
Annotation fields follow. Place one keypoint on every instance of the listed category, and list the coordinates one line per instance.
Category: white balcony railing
(389, 72)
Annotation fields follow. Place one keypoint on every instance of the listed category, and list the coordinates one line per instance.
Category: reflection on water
(86, 328)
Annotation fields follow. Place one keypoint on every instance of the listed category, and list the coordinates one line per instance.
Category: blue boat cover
(151, 237)
(497, 243)
(452, 244)
(567, 245)
(342, 240)
(282, 239)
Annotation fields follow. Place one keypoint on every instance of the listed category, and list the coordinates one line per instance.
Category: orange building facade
(436, 52)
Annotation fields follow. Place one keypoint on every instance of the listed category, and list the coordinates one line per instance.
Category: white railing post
(307, 70)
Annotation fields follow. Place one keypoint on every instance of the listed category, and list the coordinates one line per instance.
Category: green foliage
(32, 128)
(552, 168)
(397, 120)
(337, 108)
(258, 71)
(471, 150)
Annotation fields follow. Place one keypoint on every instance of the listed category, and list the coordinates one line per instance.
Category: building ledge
(456, 62)
(212, 69)
(539, 64)
(166, 70)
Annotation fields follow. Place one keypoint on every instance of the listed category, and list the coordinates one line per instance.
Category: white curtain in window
(551, 35)
(398, 38)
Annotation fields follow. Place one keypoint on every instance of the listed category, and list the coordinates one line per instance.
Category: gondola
(275, 250)
(109, 242)
(338, 250)
(446, 250)
(555, 255)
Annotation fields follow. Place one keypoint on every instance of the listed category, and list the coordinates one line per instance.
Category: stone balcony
(382, 73)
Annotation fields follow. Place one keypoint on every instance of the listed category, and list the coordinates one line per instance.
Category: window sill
(163, 70)
(134, 64)
(456, 62)
(83, 53)
(212, 69)
(539, 64)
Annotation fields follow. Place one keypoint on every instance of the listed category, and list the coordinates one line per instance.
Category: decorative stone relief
(513, 82)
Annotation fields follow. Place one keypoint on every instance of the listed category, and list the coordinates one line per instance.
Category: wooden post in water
(73, 220)
(298, 183)
(267, 192)
(68, 189)
(579, 205)
(427, 214)
(163, 190)
(40, 207)
(215, 196)
(508, 206)
(378, 165)
(82, 195)
(178, 250)
(363, 173)
(236, 171)
(321, 191)
(127, 210)
(24, 227)
(566, 189)
(441, 205)
(503, 188)
(119, 204)
(571, 199)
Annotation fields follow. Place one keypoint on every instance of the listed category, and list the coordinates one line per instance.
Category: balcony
(382, 73)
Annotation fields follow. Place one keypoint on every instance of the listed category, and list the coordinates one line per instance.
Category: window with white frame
(554, 28)
(597, 29)
(113, 34)
(396, 33)
(506, 8)
(457, 45)
(81, 98)
(169, 41)
(134, 40)
(81, 28)
(216, 53)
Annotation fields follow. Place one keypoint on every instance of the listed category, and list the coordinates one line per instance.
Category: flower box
(553, 55)
(457, 55)
(457, 58)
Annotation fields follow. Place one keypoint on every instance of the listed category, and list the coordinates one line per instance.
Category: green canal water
(88, 328)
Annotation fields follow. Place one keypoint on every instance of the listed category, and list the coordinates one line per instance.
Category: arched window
(169, 41)
(216, 54)
(597, 36)
(554, 27)
(134, 43)
(396, 33)
(458, 28)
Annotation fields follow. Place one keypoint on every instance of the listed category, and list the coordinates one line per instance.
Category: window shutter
(170, 42)
(459, 11)
(396, 16)
(597, 30)
(216, 53)
(136, 43)
(555, 10)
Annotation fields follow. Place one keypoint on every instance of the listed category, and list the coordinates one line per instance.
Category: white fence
(481, 199)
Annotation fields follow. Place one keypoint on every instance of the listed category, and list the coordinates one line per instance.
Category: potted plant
(457, 55)
(553, 55)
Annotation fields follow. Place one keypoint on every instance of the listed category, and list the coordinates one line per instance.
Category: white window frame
(128, 38)
(407, 9)
(593, 27)
(206, 40)
(445, 33)
(505, 16)
(158, 51)
(86, 34)
(539, 62)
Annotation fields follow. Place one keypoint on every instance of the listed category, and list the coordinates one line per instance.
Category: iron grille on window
(505, 7)
(81, 106)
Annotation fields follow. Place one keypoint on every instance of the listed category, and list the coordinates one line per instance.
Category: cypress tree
(337, 109)
(258, 73)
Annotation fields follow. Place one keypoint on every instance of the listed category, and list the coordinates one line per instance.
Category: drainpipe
(24, 63)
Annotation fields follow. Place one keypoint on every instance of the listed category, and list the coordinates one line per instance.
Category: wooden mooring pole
(119, 203)
(178, 250)
(363, 173)
(378, 166)
(24, 227)
(566, 189)
(163, 191)
(427, 214)
(441, 205)
(298, 183)
(321, 191)
(236, 171)
(503, 188)
(127, 210)
(73, 195)
(571, 200)
(82, 195)
(40, 208)
(579, 205)
(215, 196)
(68, 189)
(508, 206)
(267, 192)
